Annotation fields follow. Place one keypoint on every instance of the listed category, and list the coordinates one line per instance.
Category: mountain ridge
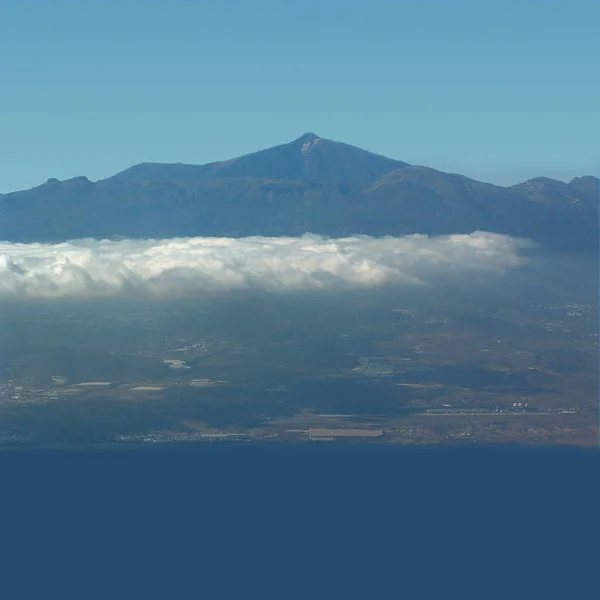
(307, 158)
(308, 185)
(138, 169)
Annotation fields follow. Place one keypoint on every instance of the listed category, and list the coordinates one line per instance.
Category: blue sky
(498, 91)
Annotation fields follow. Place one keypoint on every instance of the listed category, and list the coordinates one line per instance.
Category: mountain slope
(309, 185)
(308, 158)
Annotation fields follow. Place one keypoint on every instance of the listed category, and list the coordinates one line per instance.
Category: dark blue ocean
(278, 521)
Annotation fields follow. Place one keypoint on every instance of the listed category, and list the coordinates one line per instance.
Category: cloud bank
(89, 268)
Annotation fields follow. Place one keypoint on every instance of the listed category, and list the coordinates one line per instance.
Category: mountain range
(308, 185)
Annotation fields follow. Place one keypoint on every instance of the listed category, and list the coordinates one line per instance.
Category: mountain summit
(307, 137)
(310, 184)
(308, 158)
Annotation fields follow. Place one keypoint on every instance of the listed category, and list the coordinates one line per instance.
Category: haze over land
(307, 291)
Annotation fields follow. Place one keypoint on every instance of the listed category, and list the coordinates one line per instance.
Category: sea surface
(284, 521)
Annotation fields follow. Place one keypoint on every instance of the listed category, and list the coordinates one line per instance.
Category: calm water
(245, 521)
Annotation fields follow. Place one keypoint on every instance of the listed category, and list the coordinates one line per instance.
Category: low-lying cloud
(88, 268)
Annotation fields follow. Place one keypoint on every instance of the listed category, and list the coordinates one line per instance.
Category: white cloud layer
(88, 268)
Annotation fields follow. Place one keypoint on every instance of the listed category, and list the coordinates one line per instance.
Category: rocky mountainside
(308, 185)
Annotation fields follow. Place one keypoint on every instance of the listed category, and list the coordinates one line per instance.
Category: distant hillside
(310, 184)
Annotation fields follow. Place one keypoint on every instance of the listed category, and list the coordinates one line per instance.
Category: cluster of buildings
(11, 393)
